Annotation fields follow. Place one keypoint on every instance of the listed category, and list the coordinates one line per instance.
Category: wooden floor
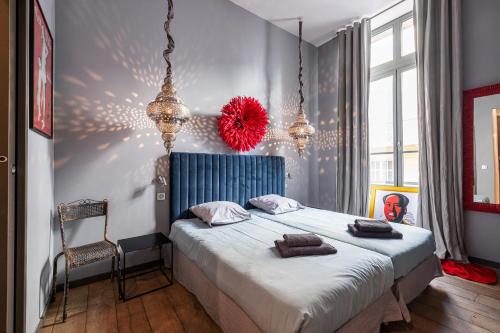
(448, 305)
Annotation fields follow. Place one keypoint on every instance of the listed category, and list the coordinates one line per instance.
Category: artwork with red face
(394, 206)
(41, 73)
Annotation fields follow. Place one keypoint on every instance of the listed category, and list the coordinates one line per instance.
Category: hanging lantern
(168, 110)
(300, 131)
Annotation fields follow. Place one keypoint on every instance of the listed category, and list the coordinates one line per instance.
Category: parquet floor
(448, 305)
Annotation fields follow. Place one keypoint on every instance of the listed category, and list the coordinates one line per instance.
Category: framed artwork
(394, 204)
(41, 73)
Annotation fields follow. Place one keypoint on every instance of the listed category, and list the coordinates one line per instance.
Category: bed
(307, 294)
(239, 278)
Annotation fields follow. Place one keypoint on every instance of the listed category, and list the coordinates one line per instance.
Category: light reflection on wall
(328, 70)
(92, 103)
(109, 66)
(327, 135)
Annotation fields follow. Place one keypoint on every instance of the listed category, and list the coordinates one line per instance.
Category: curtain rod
(388, 8)
(377, 14)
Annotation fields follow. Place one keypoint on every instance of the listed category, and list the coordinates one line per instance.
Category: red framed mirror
(481, 149)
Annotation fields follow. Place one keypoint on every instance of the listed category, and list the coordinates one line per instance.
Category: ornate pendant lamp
(168, 110)
(300, 131)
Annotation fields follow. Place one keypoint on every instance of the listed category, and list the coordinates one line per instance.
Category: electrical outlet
(160, 196)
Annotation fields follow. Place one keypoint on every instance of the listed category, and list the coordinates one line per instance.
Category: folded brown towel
(358, 233)
(286, 251)
(295, 240)
(372, 225)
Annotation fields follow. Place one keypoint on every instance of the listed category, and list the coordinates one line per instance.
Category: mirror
(486, 153)
(481, 139)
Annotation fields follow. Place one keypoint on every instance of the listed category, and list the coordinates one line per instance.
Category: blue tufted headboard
(197, 178)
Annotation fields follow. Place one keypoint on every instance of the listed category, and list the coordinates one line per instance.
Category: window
(393, 105)
(382, 46)
(407, 37)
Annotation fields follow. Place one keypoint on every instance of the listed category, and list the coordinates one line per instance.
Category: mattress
(416, 246)
(306, 294)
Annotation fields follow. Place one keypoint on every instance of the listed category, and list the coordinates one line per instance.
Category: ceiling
(322, 18)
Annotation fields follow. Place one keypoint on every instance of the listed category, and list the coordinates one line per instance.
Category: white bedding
(306, 294)
(416, 246)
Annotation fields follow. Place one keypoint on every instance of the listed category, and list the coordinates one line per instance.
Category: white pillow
(220, 212)
(275, 204)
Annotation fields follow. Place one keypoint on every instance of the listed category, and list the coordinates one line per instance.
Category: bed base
(412, 285)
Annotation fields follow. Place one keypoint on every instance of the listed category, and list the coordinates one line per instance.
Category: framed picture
(41, 73)
(394, 204)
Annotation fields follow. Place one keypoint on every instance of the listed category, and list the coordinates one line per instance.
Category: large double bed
(245, 286)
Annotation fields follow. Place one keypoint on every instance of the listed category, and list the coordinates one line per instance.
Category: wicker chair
(85, 254)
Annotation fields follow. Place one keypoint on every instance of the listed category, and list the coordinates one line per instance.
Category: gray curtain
(438, 34)
(352, 120)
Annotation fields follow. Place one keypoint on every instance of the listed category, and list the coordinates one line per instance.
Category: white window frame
(395, 68)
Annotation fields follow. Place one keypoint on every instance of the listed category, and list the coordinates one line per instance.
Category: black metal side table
(140, 243)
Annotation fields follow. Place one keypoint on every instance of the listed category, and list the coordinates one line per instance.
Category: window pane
(409, 109)
(380, 114)
(382, 169)
(410, 168)
(382, 48)
(407, 37)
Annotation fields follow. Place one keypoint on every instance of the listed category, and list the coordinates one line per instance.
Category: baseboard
(104, 276)
(484, 262)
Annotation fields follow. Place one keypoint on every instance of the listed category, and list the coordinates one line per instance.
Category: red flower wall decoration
(243, 123)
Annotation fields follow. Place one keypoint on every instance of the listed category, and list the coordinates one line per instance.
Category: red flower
(243, 123)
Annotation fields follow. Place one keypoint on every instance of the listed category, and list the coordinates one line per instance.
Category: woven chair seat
(89, 253)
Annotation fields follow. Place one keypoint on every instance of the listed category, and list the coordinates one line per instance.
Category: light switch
(484, 167)
(160, 196)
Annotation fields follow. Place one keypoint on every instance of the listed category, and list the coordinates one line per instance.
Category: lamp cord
(171, 43)
(301, 84)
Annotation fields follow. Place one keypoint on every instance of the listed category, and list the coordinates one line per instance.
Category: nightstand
(141, 243)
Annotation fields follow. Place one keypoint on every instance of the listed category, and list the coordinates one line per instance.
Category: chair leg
(112, 268)
(118, 275)
(66, 282)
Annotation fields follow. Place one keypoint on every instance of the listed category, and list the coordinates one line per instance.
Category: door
(7, 159)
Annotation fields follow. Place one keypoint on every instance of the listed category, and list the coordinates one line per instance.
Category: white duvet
(306, 294)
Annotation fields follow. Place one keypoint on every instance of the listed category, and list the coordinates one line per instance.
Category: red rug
(470, 271)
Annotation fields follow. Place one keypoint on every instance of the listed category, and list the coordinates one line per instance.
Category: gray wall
(40, 203)
(327, 103)
(110, 66)
(481, 51)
